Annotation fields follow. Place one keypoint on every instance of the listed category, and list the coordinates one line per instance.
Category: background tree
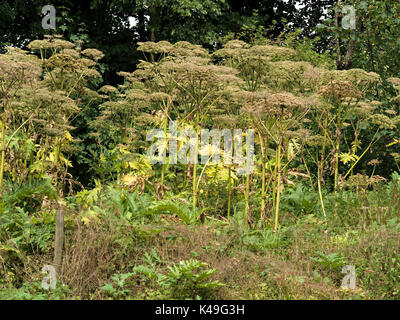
(115, 27)
(372, 44)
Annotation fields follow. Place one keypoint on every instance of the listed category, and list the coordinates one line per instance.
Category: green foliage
(116, 289)
(352, 208)
(188, 214)
(28, 196)
(188, 279)
(374, 40)
(306, 49)
(131, 205)
(378, 263)
(261, 240)
(330, 261)
(20, 231)
(300, 200)
(34, 291)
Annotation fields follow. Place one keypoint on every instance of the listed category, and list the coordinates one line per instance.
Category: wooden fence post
(58, 245)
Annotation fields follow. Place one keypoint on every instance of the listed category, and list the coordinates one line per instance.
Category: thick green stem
(162, 173)
(229, 191)
(262, 179)
(336, 167)
(320, 193)
(195, 164)
(339, 124)
(246, 208)
(263, 190)
(278, 185)
(164, 165)
(195, 184)
(3, 153)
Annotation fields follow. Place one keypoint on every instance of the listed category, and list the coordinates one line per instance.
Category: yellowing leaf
(68, 137)
(89, 216)
(347, 157)
(128, 179)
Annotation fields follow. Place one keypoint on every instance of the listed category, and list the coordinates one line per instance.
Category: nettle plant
(40, 96)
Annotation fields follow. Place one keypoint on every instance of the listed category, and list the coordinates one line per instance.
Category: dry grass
(94, 253)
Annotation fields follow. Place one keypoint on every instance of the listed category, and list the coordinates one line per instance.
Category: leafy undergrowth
(114, 258)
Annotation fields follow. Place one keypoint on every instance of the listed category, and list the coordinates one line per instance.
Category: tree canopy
(107, 25)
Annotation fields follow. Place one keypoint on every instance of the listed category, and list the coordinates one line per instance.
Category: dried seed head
(374, 162)
(236, 44)
(273, 105)
(391, 112)
(108, 89)
(396, 156)
(339, 90)
(359, 180)
(93, 53)
(18, 67)
(161, 97)
(317, 140)
(382, 121)
(394, 81)
(276, 53)
(358, 77)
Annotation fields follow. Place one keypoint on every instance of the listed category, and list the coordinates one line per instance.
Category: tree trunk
(141, 26)
(154, 22)
(343, 63)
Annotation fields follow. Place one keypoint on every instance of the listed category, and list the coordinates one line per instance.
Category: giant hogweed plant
(288, 102)
(270, 115)
(336, 97)
(276, 119)
(180, 84)
(344, 120)
(16, 71)
(396, 120)
(344, 117)
(40, 97)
